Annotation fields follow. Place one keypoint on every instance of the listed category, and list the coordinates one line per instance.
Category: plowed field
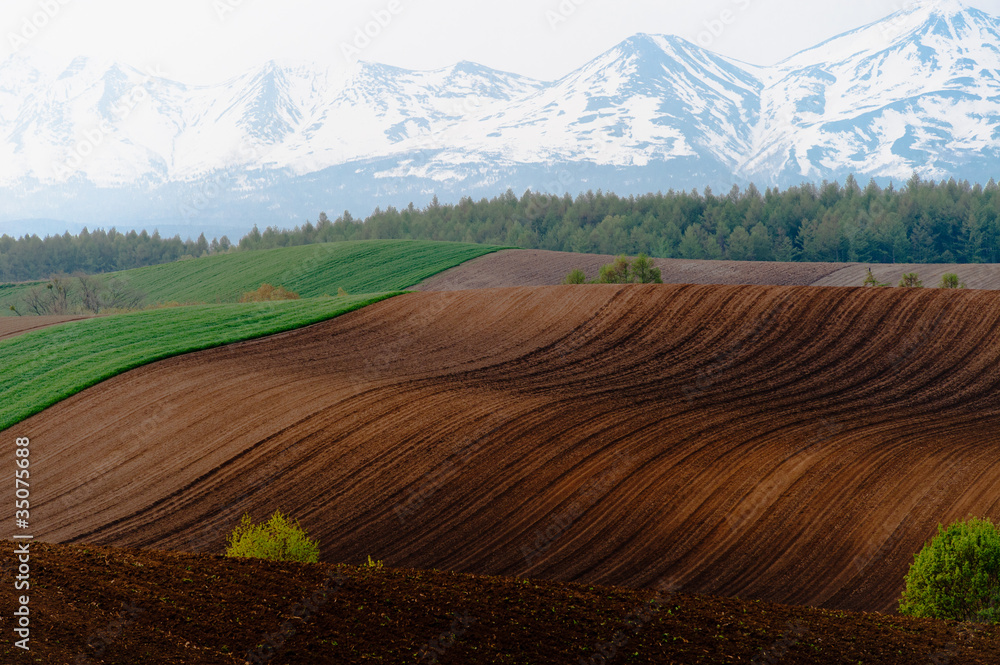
(532, 267)
(793, 444)
(122, 607)
(11, 326)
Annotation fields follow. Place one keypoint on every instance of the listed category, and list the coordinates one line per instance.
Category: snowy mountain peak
(919, 90)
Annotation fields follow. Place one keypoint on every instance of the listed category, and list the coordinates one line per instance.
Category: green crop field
(43, 367)
(366, 266)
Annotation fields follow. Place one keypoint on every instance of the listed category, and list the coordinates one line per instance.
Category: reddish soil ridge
(794, 444)
(533, 267)
(103, 605)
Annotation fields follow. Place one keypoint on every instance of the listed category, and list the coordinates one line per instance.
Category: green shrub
(618, 272)
(277, 540)
(644, 272)
(957, 575)
(622, 271)
(950, 281)
(871, 281)
(911, 280)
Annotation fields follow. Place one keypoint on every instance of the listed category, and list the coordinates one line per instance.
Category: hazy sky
(205, 41)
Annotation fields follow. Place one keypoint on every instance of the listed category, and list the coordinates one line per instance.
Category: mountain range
(102, 143)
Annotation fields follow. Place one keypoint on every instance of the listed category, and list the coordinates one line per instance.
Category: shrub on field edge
(956, 575)
(267, 293)
(621, 271)
(950, 280)
(278, 540)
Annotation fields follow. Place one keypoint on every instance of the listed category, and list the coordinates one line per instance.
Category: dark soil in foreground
(102, 605)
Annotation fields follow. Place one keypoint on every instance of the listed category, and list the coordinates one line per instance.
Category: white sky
(206, 41)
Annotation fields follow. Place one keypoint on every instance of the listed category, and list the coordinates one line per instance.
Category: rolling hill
(367, 266)
(533, 267)
(793, 444)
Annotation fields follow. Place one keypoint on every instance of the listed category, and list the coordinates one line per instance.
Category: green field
(365, 266)
(43, 367)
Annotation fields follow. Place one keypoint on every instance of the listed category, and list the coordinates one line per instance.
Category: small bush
(622, 271)
(911, 280)
(957, 575)
(266, 293)
(277, 540)
(870, 280)
(644, 272)
(950, 281)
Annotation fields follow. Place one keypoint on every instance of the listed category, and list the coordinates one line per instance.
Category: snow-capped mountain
(919, 90)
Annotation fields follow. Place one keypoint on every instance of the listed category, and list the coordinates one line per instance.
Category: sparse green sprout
(911, 280)
(957, 575)
(575, 277)
(372, 564)
(277, 540)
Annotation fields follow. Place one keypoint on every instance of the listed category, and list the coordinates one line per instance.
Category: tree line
(93, 252)
(919, 222)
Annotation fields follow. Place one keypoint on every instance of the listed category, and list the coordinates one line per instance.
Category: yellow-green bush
(278, 540)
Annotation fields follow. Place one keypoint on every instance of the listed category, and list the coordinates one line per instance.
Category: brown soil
(11, 326)
(977, 276)
(530, 267)
(792, 444)
(99, 605)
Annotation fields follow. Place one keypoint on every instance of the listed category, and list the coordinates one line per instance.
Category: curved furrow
(795, 444)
